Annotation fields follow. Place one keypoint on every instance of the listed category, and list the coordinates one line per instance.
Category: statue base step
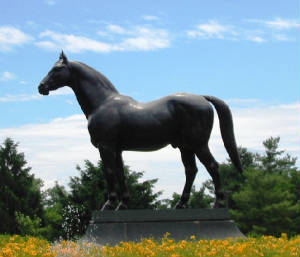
(112, 227)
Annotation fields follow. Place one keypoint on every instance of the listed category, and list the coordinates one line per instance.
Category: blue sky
(245, 52)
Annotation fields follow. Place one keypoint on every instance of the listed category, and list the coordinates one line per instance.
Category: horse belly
(146, 132)
(148, 147)
(143, 140)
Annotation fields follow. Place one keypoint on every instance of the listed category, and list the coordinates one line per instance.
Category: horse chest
(102, 127)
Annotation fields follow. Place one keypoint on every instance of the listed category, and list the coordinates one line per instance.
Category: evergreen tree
(232, 180)
(265, 205)
(267, 199)
(20, 191)
(89, 191)
(273, 161)
(198, 199)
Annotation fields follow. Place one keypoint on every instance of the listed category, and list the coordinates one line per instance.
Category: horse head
(57, 77)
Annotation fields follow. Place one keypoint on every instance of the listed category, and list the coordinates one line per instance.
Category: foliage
(29, 226)
(265, 205)
(262, 200)
(198, 199)
(67, 214)
(273, 161)
(55, 199)
(20, 191)
(89, 191)
(265, 199)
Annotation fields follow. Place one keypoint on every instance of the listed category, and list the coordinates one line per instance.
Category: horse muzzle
(43, 89)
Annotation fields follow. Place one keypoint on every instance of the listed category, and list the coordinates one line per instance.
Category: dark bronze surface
(118, 123)
(111, 227)
(129, 216)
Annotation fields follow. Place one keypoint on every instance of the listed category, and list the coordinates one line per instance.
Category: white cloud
(144, 39)
(19, 98)
(136, 39)
(282, 24)
(256, 39)
(150, 18)
(243, 101)
(26, 98)
(103, 33)
(258, 123)
(48, 45)
(6, 75)
(212, 29)
(72, 43)
(11, 36)
(31, 23)
(54, 149)
(50, 2)
(116, 29)
(62, 91)
(264, 31)
(279, 29)
(282, 37)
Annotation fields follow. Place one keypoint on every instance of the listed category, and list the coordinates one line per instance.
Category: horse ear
(63, 57)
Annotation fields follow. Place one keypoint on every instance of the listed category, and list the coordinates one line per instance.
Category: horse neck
(90, 87)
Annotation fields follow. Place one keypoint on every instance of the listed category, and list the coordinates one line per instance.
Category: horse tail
(227, 132)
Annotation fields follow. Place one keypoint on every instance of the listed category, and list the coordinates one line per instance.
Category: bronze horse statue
(118, 123)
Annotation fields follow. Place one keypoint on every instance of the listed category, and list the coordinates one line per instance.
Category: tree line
(264, 200)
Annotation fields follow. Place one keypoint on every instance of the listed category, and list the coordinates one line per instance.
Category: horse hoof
(180, 206)
(107, 206)
(220, 204)
(121, 206)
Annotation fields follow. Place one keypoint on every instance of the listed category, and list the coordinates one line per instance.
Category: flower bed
(17, 246)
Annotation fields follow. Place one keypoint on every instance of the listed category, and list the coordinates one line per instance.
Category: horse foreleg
(189, 162)
(212, 167)
(122, 183)
(108, 156)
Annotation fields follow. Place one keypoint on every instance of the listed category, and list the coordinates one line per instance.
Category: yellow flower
(167, 234)
(284, 236)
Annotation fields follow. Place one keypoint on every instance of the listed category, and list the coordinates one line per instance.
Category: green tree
(55, 200)
(273, 160)
(267, 199)
(265, 205)
(20, 191)
(232, 180)
(30, 226)
(198, 199)
(88, 192)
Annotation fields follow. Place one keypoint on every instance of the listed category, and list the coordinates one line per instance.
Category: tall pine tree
(267, 201)
(20, 191)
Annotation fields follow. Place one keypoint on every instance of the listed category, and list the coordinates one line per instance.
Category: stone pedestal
(112, 227)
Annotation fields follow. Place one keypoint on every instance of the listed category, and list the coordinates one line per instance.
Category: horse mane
(98, 75)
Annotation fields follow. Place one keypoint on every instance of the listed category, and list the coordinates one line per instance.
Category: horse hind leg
(212, 166)
(189, 162)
